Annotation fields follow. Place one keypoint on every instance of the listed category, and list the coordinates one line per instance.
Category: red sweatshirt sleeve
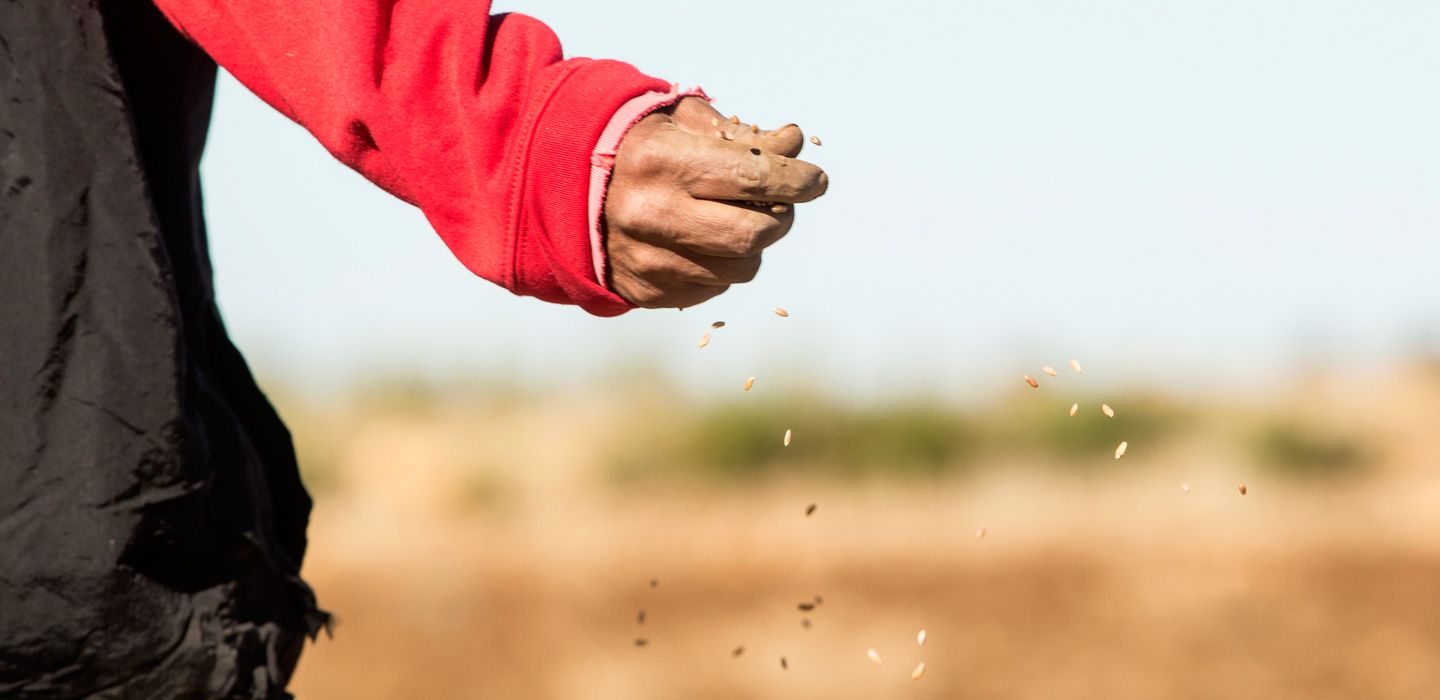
(475, 118)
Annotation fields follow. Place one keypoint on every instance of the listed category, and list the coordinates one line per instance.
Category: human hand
(694, 199)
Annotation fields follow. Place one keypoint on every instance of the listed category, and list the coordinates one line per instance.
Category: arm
(476, 119)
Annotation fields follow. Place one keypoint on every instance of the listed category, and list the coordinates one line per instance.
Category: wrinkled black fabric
(152, 519)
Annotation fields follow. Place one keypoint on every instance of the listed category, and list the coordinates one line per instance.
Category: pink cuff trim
(602, 161)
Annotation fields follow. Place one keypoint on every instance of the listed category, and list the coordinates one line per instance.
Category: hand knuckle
(649, 262)
(644, 156)
(752, 175)
(634, 209)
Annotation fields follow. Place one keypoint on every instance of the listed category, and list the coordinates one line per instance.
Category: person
(152, 518)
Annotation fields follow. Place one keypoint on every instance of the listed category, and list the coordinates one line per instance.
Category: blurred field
(496, 544)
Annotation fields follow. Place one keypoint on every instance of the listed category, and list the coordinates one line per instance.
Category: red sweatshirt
(476, 119)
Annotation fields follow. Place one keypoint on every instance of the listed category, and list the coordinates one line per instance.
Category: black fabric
(152, 519)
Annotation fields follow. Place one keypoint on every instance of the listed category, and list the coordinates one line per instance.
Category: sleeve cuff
(554, 254)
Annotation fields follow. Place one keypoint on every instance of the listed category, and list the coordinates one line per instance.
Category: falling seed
(749, 384)
(1074, 408)
(1185, 487)
(718, 324)
(787, 438)
(779, 208)
(782, 313)
(754, 129)
(980, 533)
(714, 121)
(874, 655)
(704, 340)
(640, 618)
(784, 664)
(654, 582)
(1031, 381)
(805, 622)
(815, 140)
(738, 651)
(1109, 412)
(819, 600)
(734, 119)
(640, 642)
(1050, 371)
(810, 509)
(918, 673)
(806, 606)
(1243, 490)
(920, 637)
(1120, 451)
(1075, 365)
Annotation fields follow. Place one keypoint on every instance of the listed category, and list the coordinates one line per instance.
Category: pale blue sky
(1194, 191)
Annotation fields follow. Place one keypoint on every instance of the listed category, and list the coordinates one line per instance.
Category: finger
(721, 229)
(672, 298)
(655, 295)
(699, 116)
(786, 141)
(664, 266)
(717, 169)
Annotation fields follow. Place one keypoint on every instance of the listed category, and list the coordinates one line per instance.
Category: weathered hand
(689, 211)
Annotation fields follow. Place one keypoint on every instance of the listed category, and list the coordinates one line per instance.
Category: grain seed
(784, 664)
(787, 438)
(1109, 412)
(1120, 451)
(1031, 381)
(920, 637)
(1075, 365)
(714, 121)
(754, 128)
(718, 324)
(738, 651)
(918, 673)
(1050, 371)
(1074, 408)
(807, 606)
(815, 140)
(874, 655)
(779, 208)
(640, 618)
(810, 509)
(704, 340)
(782, 313)
(734, 119)
(1243, 490)
(749, 384)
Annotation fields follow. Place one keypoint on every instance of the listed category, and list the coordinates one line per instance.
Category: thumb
(698, 116)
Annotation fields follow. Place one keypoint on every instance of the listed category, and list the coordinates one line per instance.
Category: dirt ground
(1116, 585)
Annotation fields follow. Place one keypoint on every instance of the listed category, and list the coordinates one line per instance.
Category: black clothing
(152, 519)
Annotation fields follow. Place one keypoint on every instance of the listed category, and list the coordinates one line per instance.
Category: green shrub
(1289, 449)
(743, 439)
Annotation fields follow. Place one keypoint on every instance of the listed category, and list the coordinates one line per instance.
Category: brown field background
(498, 543)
